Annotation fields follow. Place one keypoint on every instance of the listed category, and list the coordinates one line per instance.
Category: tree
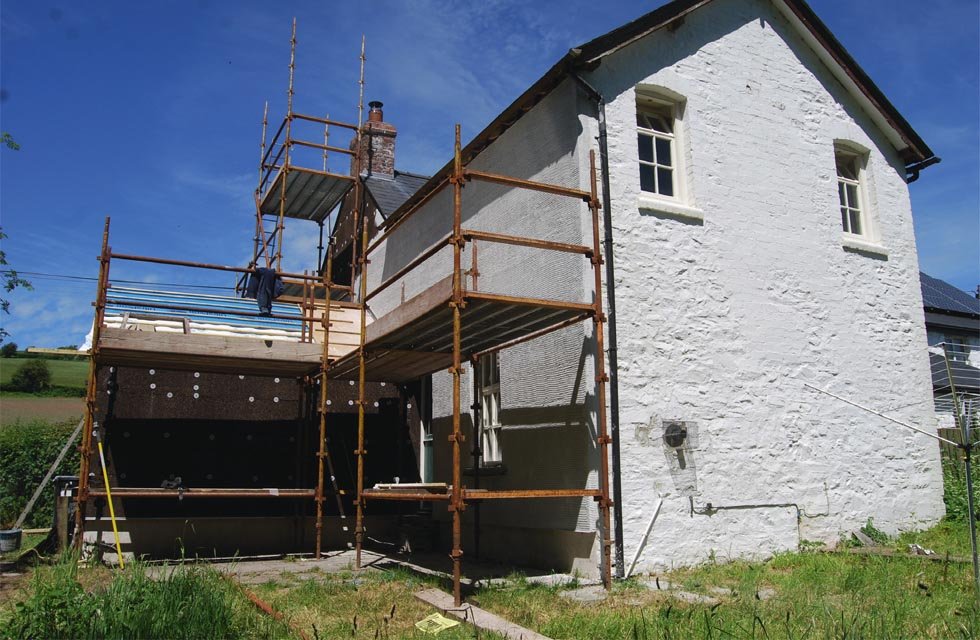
(8, 350)
(10, 281)
(9, 277)
(33, 376)
(8, 141)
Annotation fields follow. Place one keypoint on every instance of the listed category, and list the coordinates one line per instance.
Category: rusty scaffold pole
(259, 229)
(456, 501)
(322, 453)
(85, 449)
(281, 224)
(359, 223)
(601, 378)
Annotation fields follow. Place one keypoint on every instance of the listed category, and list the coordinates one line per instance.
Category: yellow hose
(112, 511)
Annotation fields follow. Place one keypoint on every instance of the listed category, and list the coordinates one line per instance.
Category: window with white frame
(656, 145)
(851, 191)
(488, 383)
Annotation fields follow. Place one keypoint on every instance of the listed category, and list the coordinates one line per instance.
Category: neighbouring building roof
(589, 55)
(940, 296)
(390, 193)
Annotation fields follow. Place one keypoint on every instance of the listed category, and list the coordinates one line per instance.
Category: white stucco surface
(728, 301)
(721, 321)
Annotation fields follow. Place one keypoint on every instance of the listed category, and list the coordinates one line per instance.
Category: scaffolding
(429, 333)
(449, 324)
(287, 188)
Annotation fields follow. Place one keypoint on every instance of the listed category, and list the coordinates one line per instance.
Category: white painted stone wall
(722, 321)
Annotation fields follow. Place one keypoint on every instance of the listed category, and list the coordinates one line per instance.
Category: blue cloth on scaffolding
(265, 286)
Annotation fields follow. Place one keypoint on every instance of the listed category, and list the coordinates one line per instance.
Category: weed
(184, 602)
(879, 536)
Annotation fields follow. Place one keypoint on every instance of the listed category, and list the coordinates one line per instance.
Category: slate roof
(941, 296)
(389, 193)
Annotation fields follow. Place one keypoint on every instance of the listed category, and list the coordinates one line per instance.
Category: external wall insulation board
(310, 195)
(207, 353)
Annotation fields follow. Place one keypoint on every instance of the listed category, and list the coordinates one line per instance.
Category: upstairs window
(850, 190)
(656, 143)
(489, 385)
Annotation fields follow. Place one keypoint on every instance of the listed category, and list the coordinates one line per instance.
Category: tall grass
(954, 489)
(186, 601)
(794, 595)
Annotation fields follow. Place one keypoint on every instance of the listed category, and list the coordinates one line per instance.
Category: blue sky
(150, 112)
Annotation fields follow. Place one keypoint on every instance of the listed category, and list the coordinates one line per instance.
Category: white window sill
(858, 243)
(671, 208)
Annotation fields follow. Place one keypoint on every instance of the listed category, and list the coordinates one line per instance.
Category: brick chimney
(377, 150)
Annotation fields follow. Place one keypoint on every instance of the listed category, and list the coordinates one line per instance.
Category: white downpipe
(643, 542)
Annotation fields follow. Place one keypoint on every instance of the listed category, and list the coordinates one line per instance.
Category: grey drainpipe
(611, 314)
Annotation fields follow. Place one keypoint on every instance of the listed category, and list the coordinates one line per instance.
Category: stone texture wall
(721, 321)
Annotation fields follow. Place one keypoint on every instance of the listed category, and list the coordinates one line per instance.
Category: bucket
(10, 540)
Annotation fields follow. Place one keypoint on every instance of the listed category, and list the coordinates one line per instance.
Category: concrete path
(476, 616)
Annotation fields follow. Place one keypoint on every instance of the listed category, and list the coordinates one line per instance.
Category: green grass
(187, 602)
(817, 595)
(64, 373)
(814, 595)
(371, 605)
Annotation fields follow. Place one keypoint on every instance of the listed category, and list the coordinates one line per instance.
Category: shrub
(33, 376)
(954, 490)
(8, 350)
(27, 449)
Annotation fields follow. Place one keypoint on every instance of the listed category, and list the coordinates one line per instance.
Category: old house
(597, 320)
(760, 237)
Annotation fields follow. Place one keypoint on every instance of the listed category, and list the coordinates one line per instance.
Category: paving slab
(694, 598)
(476, 616)
(765, 594)
(656, 583)
(585, 594)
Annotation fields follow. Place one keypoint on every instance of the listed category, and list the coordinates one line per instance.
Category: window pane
(646, 178)
(662, 123)
(843, 219)
(641, 120)
(855, 222)
(852, 197)
(663, 152)
(665, 180)
(645, 144)
(847, 166)
(840, 193)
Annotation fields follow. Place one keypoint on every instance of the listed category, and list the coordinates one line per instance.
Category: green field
(64, 373)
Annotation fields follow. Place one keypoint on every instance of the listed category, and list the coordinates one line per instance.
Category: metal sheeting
(310, 195)
(225, 308)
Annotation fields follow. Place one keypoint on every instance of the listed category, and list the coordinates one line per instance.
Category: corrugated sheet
(221, 308)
